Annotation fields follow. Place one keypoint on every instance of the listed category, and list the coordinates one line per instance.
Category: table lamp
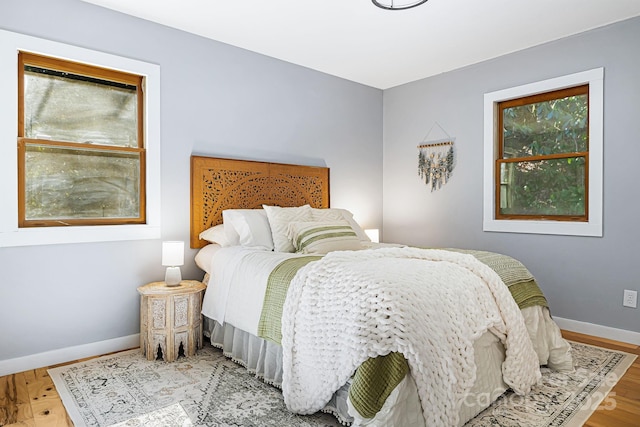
(172, 258)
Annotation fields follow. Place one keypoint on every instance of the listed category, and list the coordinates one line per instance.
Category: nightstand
(170, 319)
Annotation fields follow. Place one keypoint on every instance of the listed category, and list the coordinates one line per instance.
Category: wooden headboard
(219, 184)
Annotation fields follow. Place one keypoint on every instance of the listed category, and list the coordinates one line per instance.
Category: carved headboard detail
(219, 184)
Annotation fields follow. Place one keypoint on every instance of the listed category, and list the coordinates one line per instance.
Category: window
(81, 180)
(80, 144)
(543, 157)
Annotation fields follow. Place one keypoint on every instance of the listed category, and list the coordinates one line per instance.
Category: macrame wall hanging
(436, 159)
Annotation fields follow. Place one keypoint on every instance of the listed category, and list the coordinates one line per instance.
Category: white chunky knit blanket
(430, 305)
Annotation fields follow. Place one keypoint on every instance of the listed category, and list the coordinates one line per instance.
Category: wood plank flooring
(29, 399)
(626, 393)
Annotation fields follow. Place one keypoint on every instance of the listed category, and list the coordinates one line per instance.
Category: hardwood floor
(625, 394)
(29, 399)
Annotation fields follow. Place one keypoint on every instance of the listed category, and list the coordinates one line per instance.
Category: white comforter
(430, 305)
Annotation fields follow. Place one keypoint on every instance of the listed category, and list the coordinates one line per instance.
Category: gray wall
(216, 100)
(583, 277)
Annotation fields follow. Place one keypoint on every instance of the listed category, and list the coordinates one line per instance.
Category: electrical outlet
(630, 299)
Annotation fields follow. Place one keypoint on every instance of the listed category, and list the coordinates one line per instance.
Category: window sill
(63, 235)
(544, 227)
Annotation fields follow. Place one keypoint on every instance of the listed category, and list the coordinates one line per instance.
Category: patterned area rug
(562, 399)
(125, 389)
(207, 389)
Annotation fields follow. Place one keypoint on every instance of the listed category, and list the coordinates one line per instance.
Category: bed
(300, 296)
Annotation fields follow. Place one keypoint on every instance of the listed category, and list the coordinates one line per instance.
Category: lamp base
(173, 277)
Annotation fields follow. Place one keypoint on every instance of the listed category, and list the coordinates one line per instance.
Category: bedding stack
(336, 308)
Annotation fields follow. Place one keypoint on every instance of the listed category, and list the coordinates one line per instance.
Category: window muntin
(80, 144)
(542, 166)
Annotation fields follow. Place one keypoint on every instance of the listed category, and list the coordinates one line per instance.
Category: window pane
(65, 107)
(549, 127)
(545, 187)
(64, 183)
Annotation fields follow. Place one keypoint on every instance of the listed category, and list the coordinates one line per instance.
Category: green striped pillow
(323, 237)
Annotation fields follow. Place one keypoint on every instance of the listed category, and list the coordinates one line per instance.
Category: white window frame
(593, 227)
(10, 233)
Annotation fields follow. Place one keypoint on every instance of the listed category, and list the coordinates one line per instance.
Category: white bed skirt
(264, 359)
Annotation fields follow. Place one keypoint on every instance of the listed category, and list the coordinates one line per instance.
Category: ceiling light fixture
(397, 5)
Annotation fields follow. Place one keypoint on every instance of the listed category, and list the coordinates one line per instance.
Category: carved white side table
(170, 319)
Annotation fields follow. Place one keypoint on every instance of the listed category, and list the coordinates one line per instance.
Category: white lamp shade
(172, 253)
(373, 234)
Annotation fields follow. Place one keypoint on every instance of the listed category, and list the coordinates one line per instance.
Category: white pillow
(333, 214)
(279, 219)
(216, 234)
(204, 256)
(327, 214)
(319, 237)
(251, 227)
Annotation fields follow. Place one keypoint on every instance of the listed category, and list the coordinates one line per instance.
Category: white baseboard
(623, 335)
(53, 357)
